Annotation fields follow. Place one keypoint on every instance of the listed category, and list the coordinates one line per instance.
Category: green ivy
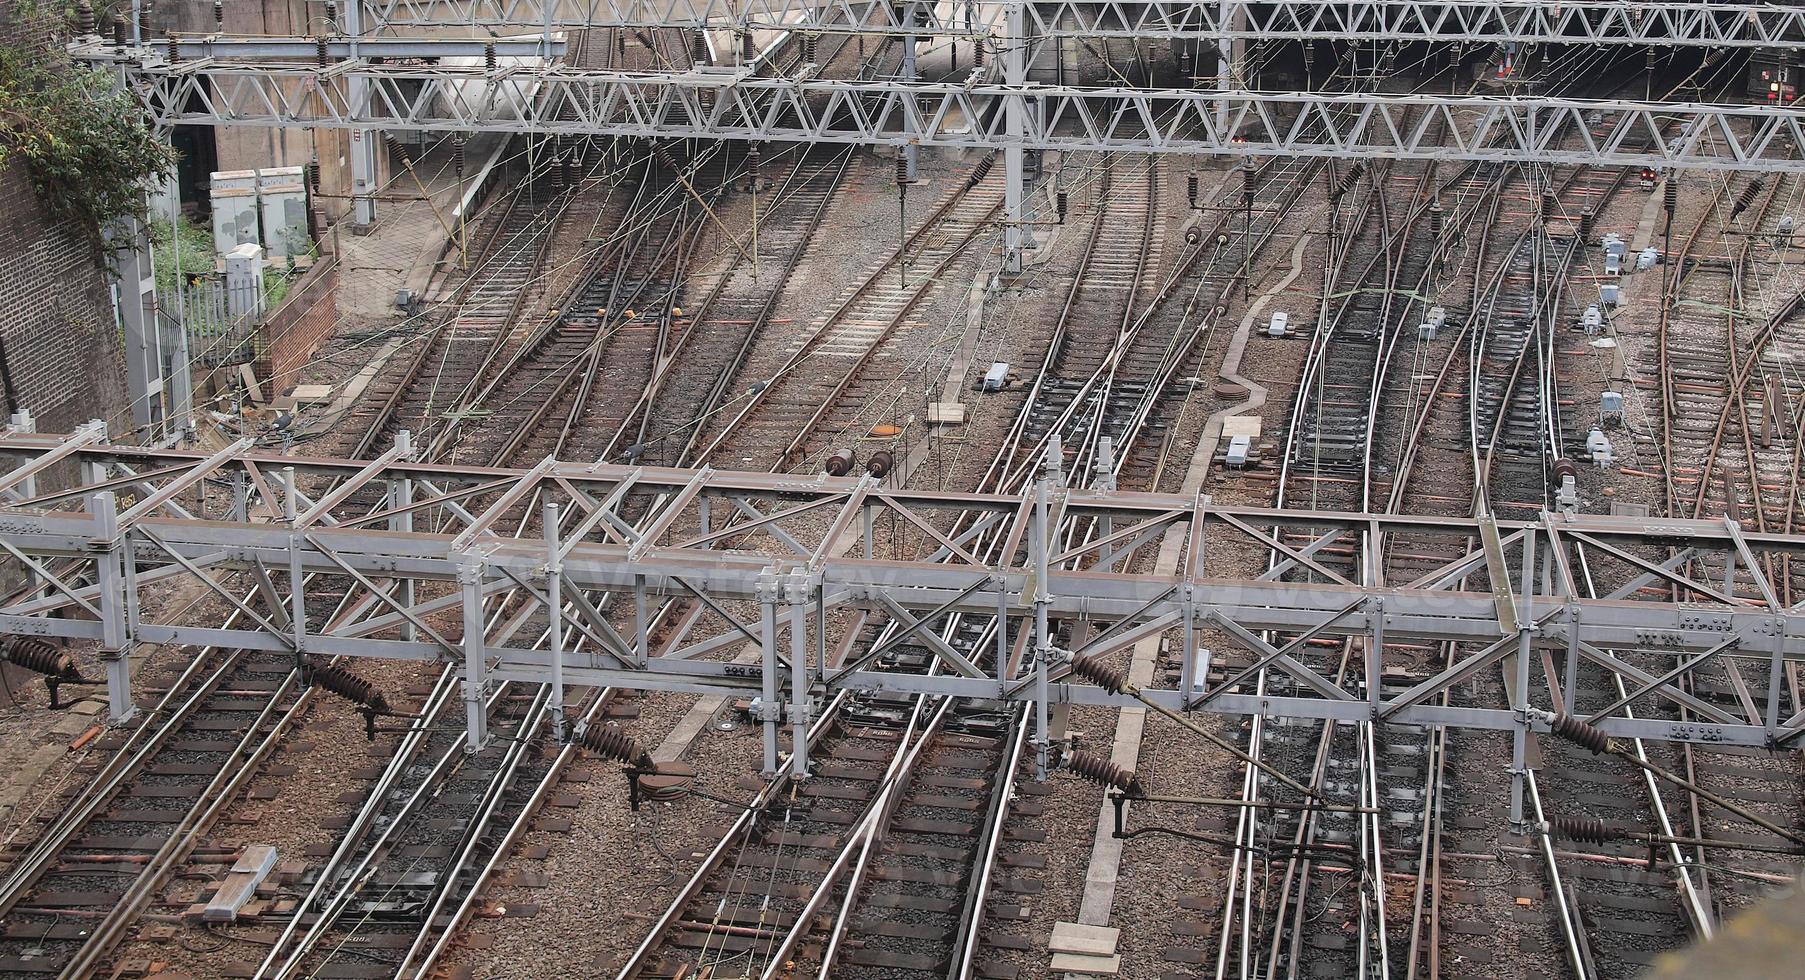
(83, 144)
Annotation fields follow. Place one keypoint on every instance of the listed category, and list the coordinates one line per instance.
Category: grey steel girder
(227, 47)
(736, 104)
(1471, 21)
(653, 535)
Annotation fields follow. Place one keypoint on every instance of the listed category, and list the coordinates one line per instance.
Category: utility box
(996, 377)
(244, 280)
(1613, 264)
(1432, 323)
(1238, 449)
(282, 203)
(1279, 325)
(1648, 259)
(1615, 245)
(1592, 319)
(1610, 294)
(1610, 404)
(235, 212)
(1599, 448)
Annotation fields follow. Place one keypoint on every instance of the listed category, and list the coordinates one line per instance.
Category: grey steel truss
(736, 104)
(762, 585)
(1469, 21)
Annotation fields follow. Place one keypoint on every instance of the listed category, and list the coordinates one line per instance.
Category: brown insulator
(748, 49)
(331, 14)
(811, 46)
(1250, 178)
(880, 463)
(353, 688)
(1588, 829)
(319, 49)
(1670, 196)
(981, 171)
(977, 52)
(1061, 203)
(1184, 64)
(1747, 198)
(85, 23)
(611, 741)
(489, 54)
(663, 156)
(1101, 673)
(1100, 770)
(1437, 219)
(840, 463)
(144, 13)
(1588, 223)
(313, 177)
(39, 656)
(175, 54)
(119, 36)
(698, 46)
(1347, 181)
(902, 166)
(1584, 735)
(620, 44)
(219, 13)
(1191, 189)
(457, 155)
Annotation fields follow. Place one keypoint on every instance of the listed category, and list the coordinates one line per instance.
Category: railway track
(71, 892)
(805, 395)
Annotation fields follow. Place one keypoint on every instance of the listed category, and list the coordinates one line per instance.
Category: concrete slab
(1083, 940)
(1089, 966)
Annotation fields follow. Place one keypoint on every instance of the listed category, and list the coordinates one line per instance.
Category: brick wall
(294, 331)
(62, 349)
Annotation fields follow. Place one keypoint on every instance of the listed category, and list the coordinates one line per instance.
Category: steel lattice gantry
(731, 104)
(761, 585)
(1470, 21)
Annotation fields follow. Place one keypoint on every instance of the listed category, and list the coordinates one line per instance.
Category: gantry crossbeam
(1469, 21)
(734, 104)
(703, 552)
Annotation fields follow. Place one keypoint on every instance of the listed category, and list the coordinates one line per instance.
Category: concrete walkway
(1106, 851)
(412, 229)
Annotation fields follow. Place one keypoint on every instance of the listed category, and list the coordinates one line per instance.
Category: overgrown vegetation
(83, 144)
(191, 255)
(185, 252)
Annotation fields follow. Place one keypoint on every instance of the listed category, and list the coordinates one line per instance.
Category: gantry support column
(476, 715)
(1015, 119)
(364, 142)
(401, 520)
(135, 299)
(115, 635)
(554, 614)
(769, 712)
(910, 169)
(1041, 546)
(800, 596)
